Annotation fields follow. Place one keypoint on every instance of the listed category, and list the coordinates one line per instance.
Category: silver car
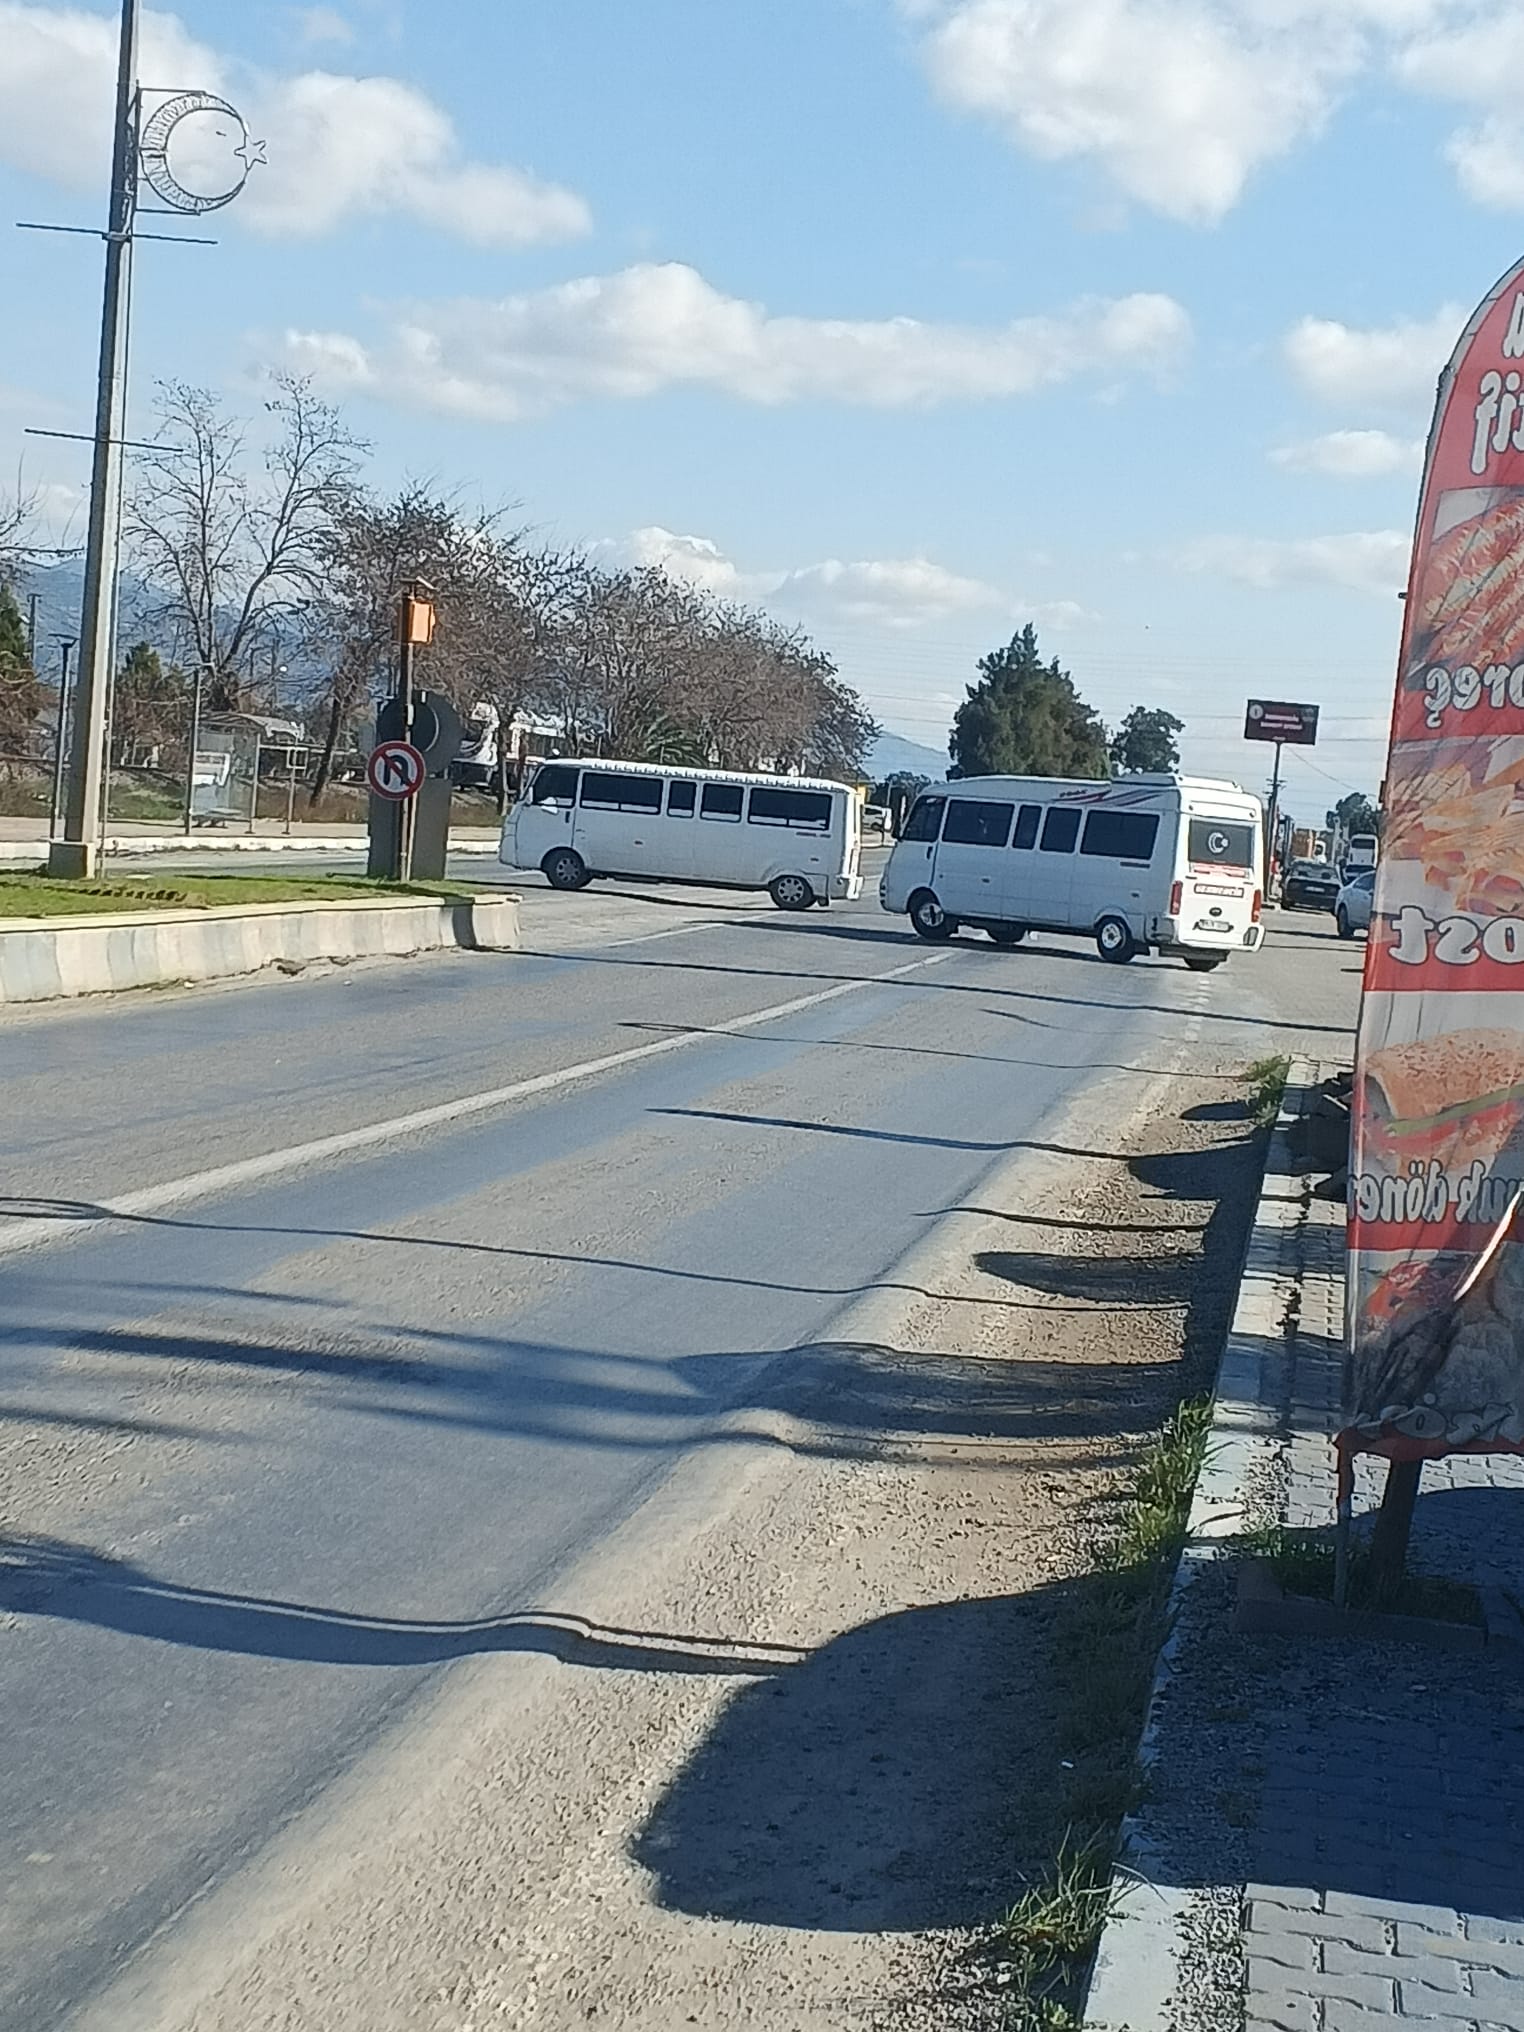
(1352, 906)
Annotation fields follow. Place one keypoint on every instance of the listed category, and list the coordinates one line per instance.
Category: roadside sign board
(395, 770)
(1276, 720)
(1436, 1176)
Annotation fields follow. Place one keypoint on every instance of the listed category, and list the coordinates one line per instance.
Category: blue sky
(912, 319)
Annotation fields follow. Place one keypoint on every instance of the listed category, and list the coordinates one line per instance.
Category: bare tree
(480, 583)
(18, 523)
(233, 540)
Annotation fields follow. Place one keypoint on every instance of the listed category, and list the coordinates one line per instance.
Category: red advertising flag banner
(1436, 1310)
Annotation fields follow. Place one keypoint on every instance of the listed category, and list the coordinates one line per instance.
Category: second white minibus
(1171, 864)
(797, 837)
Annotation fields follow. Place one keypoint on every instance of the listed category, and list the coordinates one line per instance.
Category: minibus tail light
(1176, 899)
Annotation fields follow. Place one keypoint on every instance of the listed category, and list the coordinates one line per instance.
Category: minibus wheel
(928, 919)
(1114, 940)
(1203, 963)
(791, 892)
(1007, 934)
(564, 868)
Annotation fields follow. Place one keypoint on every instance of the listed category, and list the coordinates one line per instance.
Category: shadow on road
(46, 1577)
(83, 1211)
(870, 1789)
(935, 984)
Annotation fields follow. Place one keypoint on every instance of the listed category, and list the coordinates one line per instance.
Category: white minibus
(1171, 864)
(797, 837)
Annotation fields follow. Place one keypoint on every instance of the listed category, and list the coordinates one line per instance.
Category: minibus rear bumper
(1171, 938)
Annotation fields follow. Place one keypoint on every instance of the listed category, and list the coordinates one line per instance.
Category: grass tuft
(1303, 1563)
(1105, 1649)
(1266, 1081)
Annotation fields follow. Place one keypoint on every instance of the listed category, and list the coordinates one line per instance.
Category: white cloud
(323, 24)
(697, 560)
(1179, 102)
(1478, 62)
(658, 326)
(1364, 561)
(1352, 455)
(339, 147)
(894, 593)
(1394, 366)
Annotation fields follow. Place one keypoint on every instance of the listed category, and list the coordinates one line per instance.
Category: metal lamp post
(60, 734)
(195, 743)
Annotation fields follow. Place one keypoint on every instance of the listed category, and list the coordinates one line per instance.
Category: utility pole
(32, 601)
(75, 854)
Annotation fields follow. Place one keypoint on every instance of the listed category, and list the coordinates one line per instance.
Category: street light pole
(75, 854)
(60, 736)
(195, 743)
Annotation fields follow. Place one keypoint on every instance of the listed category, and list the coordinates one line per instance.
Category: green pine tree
(1025, 718)
(1146, 741)
(22, 698)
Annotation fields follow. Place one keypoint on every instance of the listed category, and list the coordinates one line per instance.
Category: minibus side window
(1027, 820)
(1060, 829)
(680, 799)
(721, 800)
(925, 820)
(553, 786)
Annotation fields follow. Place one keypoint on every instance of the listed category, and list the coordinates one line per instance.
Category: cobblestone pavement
(1361, 1799)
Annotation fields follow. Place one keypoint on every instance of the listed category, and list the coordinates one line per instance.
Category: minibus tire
(928, 919)
(564, 868)
(1342, 924)
(1204, 963)
(1114, 941)
(792, 892)
(1006, 934)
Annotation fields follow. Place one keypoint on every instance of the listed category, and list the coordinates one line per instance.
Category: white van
(1362, 854)
(1173, 864)
(797, 837)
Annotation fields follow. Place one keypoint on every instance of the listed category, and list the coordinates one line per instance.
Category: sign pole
(405, 699)
(1275, 806)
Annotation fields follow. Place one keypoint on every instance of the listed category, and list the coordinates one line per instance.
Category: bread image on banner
(1409, 1095)
(1471, 604)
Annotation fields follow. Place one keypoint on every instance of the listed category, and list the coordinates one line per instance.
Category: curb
(27, 853)
(43, 959)
(1133, 1985)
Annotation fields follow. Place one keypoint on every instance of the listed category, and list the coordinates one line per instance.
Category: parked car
(1309, 885)
(1352, 905)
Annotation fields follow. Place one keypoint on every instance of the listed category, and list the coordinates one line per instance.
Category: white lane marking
(29, 1234)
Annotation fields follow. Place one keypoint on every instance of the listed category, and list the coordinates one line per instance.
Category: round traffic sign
(395, 770)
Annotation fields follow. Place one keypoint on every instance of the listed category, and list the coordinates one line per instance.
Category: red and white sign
(395, 770)
(1437, 1164)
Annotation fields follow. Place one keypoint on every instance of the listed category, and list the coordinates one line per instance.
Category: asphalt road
(280, 1434)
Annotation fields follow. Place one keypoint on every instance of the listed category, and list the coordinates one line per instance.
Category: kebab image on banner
(1436, 1287)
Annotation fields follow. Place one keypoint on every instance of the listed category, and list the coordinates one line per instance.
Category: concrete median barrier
(45, 958)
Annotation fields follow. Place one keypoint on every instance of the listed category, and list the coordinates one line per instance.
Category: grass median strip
(40, 896)
(1105, 1648)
